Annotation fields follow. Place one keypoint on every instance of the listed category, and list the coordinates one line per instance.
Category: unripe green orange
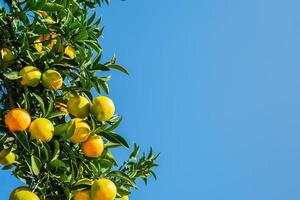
(81, 132)
(103, 108)
(41, 129)
(52, 79)
(78, 106)
(23, 193)
(7, 56)
(8, 159)
(31, 76)
(103, 189)
(93, 146)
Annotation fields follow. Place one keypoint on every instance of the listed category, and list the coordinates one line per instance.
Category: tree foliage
(56, 168)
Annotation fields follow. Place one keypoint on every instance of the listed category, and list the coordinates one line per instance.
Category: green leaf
(70, 131)
(57, 164)
(122, 176)
(36, 165)
(14, 75)
(118, 67)
(56, 150)
(41, 102)
(104, 86)
(51, 7)
(115, 125)
(56, 113)
(39, 4)
(113, 137)
(91, 19)
(23, 139)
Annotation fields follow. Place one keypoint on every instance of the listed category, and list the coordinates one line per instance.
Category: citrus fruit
(78, 106)
(7, 56)
(103, 189)
(82, 195)
(8, 159)
(125, 198)
(23, 193)
(41, 40)
(41, 129)
(69, 51)
(103, 108)
(31, 76)
(52, 79)
(81, 132)
(17, 119)
(93, 146)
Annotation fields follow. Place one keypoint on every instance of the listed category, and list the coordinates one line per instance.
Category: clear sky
(214, 86)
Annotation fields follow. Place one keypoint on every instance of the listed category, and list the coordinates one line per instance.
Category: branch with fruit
(56, 135)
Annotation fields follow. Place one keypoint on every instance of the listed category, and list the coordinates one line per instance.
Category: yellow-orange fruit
(103, 189)
(78, 106)
(69, 51)
(41, 129)
(17, 119)
(23, 193)
(93, 146)
(82, 195)
(81, 132)
(8, 159)
(52, 79)
(125, 198)
(31, 76)
(103, 108)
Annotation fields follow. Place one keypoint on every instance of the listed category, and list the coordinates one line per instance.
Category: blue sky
(214, 86)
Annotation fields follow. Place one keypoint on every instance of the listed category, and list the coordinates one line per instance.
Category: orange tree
(55, 135)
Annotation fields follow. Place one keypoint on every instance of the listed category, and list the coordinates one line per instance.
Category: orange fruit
(81, 132)
(69, 51)
(17, 119)
(93, 146)
(125, 198)
(31, 76)
(103, 189)
(23, 193)
(52, 79)
(78, 106)
(41, 129)
(103, 108)
(82, 195)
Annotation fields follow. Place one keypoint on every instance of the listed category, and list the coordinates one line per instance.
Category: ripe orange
(103, 108)
(52, 79)
(69, 51)
(17, 119)
(93, 146)
(8, 159)
(23, 193)
(39, 43)
(78, 106)
(41, 129)
(82, 195)
(103, 189)
(81, 132)
(31, 76)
